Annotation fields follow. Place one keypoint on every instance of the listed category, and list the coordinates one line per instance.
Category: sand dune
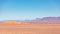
(12, 27)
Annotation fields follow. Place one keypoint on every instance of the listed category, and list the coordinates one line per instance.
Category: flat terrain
(29, 28)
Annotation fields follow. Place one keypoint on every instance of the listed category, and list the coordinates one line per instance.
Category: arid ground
(26, 28)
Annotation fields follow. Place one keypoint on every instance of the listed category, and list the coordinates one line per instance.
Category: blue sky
(28, 9)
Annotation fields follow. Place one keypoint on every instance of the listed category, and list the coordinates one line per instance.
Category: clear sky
(28, 9)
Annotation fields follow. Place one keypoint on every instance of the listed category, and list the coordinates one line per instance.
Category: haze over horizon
(28, 9)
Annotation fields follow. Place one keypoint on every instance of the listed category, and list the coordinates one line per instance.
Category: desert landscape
(13, 27)
(29, 16)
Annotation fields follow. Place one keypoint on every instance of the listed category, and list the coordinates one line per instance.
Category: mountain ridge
(38, 20)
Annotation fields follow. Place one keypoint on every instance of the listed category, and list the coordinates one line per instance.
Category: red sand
(25, 28)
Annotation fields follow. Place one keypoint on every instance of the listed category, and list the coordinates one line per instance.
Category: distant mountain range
(45, 20)
(40, 20)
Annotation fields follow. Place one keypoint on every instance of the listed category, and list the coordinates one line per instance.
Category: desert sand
(26, 28)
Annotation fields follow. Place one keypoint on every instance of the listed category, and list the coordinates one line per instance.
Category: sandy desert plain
(12, 27)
